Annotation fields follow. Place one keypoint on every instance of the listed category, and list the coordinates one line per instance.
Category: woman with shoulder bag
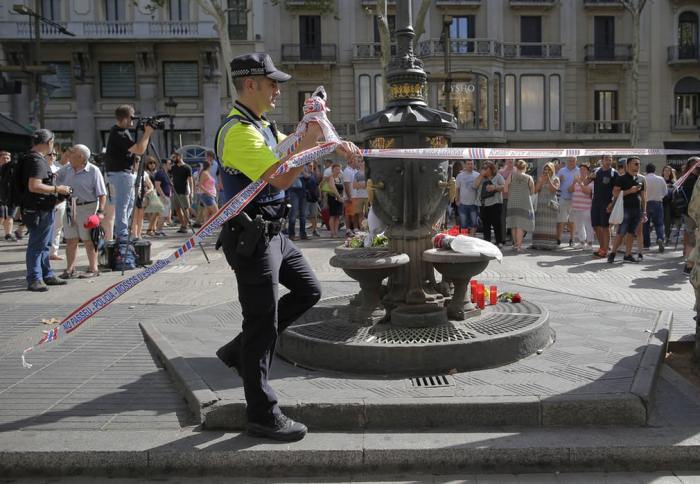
(545, 235)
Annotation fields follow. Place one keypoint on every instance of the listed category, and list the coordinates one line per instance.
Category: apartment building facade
(527, 73)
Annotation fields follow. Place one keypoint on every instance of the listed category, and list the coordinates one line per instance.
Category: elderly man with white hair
(86, 203)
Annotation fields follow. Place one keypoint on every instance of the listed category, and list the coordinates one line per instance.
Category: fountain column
(409, 195)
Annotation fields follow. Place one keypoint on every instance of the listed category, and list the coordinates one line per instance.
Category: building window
(51, 9)
(510, 102)
(687, 103)
(303, 96)
(63, 140)
(554, 103)
(310, 37)
(604, 37)
(378, 92)
(115, 10)
(187, 137)
(237, 19)
(462, 28)
(365, 96)
(60, 84)
(532, 112)
(605, 110)
(117, 79)
(688, 35)
(180, 10)
(468, 101)
(497, 102)
(531, 33)
(180, 79)
(391, 20)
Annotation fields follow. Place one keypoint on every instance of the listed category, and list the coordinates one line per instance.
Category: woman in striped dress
(545, 236)
(520, 216)
(581, 207)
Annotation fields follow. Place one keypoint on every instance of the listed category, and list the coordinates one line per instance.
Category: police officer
(260, 255)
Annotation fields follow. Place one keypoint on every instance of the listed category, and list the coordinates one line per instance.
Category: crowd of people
(577, 199)
(67, 186)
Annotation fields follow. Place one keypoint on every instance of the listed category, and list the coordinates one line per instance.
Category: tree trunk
(419, 25)
(217, 10)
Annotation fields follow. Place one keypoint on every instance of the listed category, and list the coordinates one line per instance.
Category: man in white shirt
(656, 190)
(351, 222)
(466, 197)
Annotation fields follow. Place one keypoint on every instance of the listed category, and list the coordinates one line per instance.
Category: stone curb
(646, 375)
(354, 453)
(195, 391)
(632, 409)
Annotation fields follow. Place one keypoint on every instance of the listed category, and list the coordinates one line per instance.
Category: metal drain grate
(432, 381)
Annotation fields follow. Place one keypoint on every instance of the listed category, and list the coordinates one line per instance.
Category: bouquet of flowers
(513, 297)
(362, 239)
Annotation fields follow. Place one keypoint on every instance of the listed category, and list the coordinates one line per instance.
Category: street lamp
(38, 19)
(170, 107)
(446, 24)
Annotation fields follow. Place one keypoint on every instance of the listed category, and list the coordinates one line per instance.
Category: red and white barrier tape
(513, 153)
(230, 209)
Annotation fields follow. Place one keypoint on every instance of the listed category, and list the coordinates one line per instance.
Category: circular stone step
(325, 338)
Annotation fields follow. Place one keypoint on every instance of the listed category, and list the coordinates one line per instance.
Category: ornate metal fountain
(412, 325)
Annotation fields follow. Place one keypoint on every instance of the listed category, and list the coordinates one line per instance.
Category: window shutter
(180, 79)
(118, 79)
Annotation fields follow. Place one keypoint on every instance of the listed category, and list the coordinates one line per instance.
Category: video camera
(155, 122)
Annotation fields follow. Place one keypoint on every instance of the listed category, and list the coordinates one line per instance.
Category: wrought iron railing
(685, 122)
(598, 127)
(681, 53)
(608, 52)
(324, 53)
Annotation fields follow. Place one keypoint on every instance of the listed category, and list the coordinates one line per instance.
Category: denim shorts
(207, 200)
(630, 221)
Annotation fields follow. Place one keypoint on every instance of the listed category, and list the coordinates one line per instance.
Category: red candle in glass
(480, 296)
(493, 296)
(472, 290)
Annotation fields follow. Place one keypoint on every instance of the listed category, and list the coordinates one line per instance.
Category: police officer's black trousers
(264, 317)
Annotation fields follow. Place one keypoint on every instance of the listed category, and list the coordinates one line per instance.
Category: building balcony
(113, 31)
(532, 3)
(683, 54)
(612, 4)
(684, 124)
(369, 50)
(532, 50)
(470, 47)
(300, 54)
(608, 53)
(605, 130)
(457, 3)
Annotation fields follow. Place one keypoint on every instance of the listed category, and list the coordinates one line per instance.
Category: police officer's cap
(257, 64)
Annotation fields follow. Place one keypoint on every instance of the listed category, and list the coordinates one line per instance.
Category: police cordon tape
(315, 111)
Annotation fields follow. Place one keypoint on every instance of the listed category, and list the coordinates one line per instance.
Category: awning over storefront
(13, 136)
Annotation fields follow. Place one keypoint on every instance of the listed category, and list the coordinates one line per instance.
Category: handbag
(618, 212)
(554, 204)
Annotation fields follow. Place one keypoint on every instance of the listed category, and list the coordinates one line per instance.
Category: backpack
(123, 256)
(679, 201)
(11, 192)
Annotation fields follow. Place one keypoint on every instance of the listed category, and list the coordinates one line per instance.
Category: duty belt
(273, 227)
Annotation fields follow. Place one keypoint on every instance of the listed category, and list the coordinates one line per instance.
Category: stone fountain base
(325, 338)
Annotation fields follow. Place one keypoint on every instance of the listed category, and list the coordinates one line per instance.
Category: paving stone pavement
(103, 377)
(661, 477)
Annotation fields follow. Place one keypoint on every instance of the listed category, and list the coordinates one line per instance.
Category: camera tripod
(140, 191)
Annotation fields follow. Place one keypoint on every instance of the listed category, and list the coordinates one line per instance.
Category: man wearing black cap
(260, 255)
(40, 195)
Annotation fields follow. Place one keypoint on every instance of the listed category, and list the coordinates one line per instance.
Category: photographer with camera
(119, 165)
(39, 197)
